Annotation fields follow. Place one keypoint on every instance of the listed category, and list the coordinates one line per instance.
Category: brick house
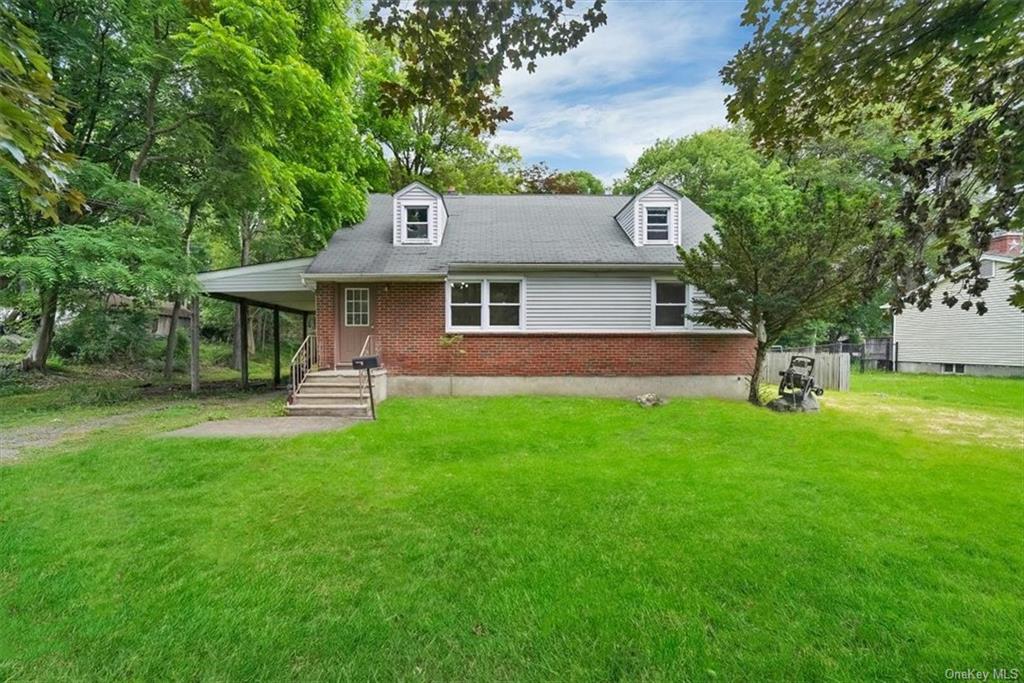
(490, 294)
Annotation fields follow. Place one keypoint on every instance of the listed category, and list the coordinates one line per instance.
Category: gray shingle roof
(543, 230)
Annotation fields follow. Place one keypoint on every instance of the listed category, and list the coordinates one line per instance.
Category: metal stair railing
(302, 362)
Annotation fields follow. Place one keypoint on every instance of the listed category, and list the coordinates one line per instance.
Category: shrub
(100, 335)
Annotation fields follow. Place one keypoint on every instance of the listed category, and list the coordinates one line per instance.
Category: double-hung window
(657, 223)
(484, 304)
(417, 225)
(467, 304)
(669, 304)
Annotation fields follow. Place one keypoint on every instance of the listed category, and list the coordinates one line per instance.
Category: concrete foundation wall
(977, 370)
(719, 386)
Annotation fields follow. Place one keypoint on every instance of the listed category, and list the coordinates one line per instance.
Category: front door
(355, 321)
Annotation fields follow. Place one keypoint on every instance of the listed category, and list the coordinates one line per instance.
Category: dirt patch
(264, 427)
(14, 441)
(957, 426)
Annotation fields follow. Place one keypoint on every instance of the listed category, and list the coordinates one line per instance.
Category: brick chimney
(1006, 244)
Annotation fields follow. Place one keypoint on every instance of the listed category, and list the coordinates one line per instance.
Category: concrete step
(331, 381)
(304, 399)
(332, 388)
(342, 372)
(353, 410)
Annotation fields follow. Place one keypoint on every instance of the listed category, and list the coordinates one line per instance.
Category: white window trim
(485, 303)
(405, 224)
(344, 312)
(643, 221)
(668, 329)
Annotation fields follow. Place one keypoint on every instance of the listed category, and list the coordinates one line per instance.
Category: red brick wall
(409, 324)
(326, 322)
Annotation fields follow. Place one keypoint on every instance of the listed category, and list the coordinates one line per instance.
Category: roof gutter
(641, 267)
(372, 277)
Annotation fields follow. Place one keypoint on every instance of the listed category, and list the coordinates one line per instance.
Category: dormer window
(417, 226)
(420, 216)
(657, 224)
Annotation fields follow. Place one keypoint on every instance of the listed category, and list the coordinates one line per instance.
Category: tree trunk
(40, 351)
(172, 337)
(755, 377)
(172, 340)
(251, 334)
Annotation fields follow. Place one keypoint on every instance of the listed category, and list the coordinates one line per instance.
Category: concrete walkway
(264, 426)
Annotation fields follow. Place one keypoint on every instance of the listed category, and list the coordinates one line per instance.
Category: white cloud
(651, 72)
(621, 126)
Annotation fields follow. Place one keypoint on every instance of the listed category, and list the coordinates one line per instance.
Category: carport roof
(271, 285)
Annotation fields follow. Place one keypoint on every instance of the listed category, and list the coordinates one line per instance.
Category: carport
(276, 286)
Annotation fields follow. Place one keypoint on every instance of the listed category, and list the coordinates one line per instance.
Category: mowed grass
(519, 539)
(990, 394)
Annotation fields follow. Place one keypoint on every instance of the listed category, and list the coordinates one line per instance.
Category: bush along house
(501, 294)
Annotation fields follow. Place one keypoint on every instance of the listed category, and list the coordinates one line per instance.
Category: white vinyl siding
(627, 220)
(951, 335)
(588, 303)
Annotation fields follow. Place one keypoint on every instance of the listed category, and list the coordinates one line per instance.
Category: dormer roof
(669, 208)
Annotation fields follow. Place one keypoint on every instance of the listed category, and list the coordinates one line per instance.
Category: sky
(651, 72)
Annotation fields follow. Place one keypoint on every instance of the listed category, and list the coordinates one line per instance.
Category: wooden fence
(831, 370)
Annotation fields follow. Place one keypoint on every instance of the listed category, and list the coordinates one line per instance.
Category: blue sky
(651, 72)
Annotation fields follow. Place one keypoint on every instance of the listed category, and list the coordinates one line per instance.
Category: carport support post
(277, 348)
(194, 346)
(243, 333)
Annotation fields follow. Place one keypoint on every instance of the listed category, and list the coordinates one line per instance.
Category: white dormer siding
(411, 202)
(626, 218)
(633, 218)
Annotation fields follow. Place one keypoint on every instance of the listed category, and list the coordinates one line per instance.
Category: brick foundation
(409, 324)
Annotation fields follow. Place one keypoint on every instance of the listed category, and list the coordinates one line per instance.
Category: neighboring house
(951, 340)
(492, 294)
(161, 314)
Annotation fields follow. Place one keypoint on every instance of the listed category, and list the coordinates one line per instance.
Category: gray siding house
(953, 341)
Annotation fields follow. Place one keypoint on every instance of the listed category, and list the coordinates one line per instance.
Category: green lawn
(527, 539)
(990, 394)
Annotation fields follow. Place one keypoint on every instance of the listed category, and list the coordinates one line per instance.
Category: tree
(577, 182)
(275, 85)
(539, 179)
(287, 151)
(711, 168)
(33, 140)
(124, 241)
(950, 71)
(477, 167)
(793, 233)
(453, 53)
(799, 258)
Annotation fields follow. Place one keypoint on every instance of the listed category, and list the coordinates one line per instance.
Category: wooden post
(305, 326)
(194, 346)
(243, 320)
(277, 347)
